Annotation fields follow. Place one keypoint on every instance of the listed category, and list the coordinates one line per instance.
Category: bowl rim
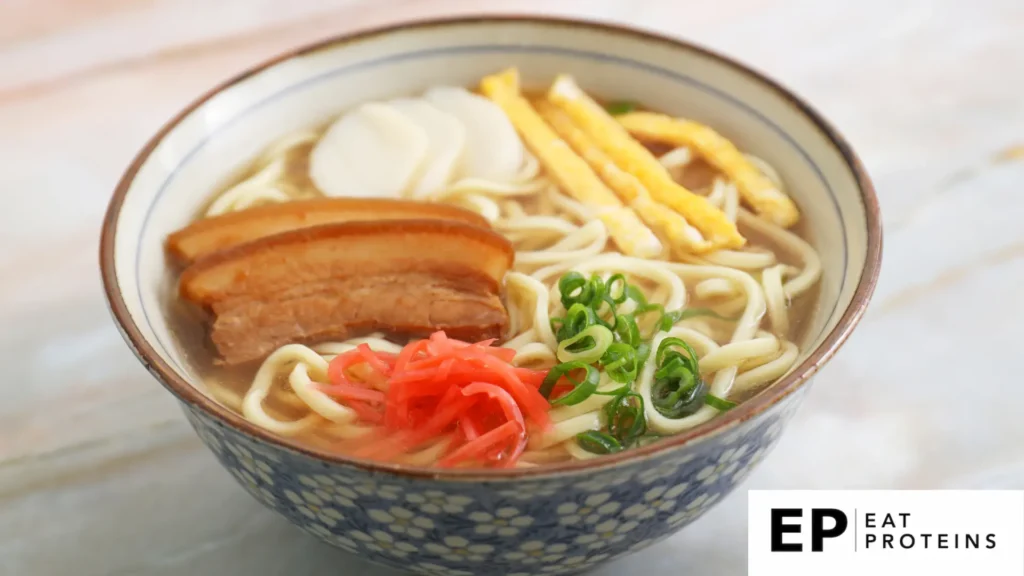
(794, 381)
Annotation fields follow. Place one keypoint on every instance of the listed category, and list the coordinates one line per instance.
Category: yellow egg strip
(569, 170)
(631, 156)
(629, 233)
(758, 191)
(682, 236)
(669, 224)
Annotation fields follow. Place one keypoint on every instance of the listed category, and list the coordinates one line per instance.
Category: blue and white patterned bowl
(554, 520)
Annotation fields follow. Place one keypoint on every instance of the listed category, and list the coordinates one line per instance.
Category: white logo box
(887, 532)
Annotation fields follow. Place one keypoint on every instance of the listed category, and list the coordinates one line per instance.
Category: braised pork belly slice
(209, 235)
(406, 304)
(407, 278)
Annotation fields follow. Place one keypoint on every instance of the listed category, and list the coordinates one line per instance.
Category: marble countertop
(99, 471)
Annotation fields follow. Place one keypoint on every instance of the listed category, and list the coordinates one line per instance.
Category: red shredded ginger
(440, 386)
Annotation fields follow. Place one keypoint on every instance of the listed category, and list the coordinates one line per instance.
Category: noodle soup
(488, 279)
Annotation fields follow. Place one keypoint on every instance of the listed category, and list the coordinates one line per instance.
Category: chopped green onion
(674, 399)
(625, 417)
(597, 442)
(620, 363)
(626, 330)
(645, 308)
(578, 318)
(616, 280)
(575, 289)
(620, 107)
(582, 389)
(643, 352)
(678, 389)
(587, 346)
(556, 323)
(665, 351)
(585, 338)
(615, 392)
(719, 403)
(633, 293)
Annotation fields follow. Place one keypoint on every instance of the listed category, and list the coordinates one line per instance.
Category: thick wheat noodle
(285, 144)
(532, 353)
(566, 205)
(746, 327)
(714, 288)
(304, 367)
(530, 233)
(736, 352)
(428, 455)
(556, 453)
(535, 225)
(523, 286)
(768, 170)
(301, 381)
(754, 307)
(805, 277)
(717, 330)
(769, 371)
(490, 189)
(613, 262)
(512, 209)
(233, 399)
(565, 430)
(810, 270)
(676, 158)
(742, 259)
(525, 182)
(375, 341)
(545, 205)
(717, 194)
(480, 204)
(589, 240)
(726, 197)
(776, 299)
(731, 204)
(261, 188)
(756, 361)
(289, 399)
(281, 359)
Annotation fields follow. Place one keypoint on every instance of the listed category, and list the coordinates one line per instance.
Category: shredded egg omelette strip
(669, 224)
(768, 201)
(631, 156)
(569, 170)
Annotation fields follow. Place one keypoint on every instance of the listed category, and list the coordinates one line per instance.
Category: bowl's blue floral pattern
(548, 525)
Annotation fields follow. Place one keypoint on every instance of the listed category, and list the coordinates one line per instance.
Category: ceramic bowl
(532, 521)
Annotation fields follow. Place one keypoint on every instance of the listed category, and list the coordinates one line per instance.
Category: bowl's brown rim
(832, 342)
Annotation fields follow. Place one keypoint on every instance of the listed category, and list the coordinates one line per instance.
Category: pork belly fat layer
(208, 235)
(311, 255)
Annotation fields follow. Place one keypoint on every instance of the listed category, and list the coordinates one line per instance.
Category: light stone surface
(99, 472)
